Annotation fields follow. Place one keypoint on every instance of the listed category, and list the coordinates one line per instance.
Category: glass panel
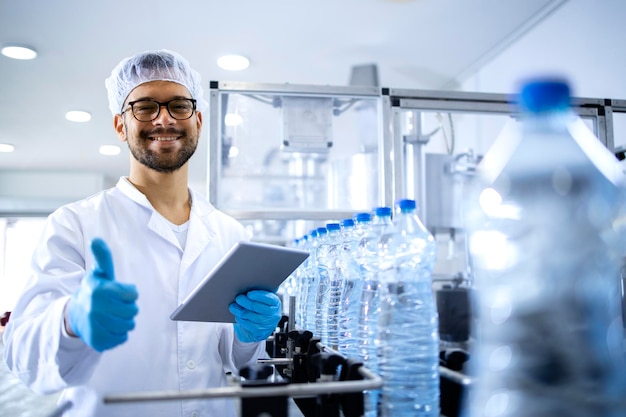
(298, 152)
(453, 143)
(619, 130)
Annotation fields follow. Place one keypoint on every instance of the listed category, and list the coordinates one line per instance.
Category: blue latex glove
(257, 314)
(101, 312)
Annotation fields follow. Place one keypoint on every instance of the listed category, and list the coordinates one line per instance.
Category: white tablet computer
(247, 266)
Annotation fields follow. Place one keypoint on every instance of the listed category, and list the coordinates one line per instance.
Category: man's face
(164, 144)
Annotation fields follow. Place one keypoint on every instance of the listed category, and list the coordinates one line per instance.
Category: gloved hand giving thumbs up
(101, 312)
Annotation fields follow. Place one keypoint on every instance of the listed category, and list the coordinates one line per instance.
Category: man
(110, 269)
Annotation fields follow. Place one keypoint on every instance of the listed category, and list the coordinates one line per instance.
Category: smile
(164, 138)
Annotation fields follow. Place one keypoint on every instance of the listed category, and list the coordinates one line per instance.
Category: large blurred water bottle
(367, 334)
(546, 244)
(408, 322)
(351, 296)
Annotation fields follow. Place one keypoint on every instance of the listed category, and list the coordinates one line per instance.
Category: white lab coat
(160, 354)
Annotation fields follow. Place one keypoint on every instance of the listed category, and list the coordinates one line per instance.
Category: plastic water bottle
(312, 278)
(302, 282)
(547, 244)
(306, 282)
(408, 322)
(362, 222)
(319, 314)
(350, 269)
(367, 334)
(330, 286)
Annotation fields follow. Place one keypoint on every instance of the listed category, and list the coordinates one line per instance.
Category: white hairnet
(161, 65)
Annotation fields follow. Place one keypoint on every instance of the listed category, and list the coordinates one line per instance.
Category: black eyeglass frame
(165, 104)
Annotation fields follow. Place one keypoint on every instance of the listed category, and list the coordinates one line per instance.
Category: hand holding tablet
(247, 266)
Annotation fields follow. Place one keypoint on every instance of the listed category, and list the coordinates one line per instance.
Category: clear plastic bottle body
(302, 283)
(543, 236)
(330, 287)
(408, 321)
(350, 298)
(367, 333)
(316, 298)
(312, 277)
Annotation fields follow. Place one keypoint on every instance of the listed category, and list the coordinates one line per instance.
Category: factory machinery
(302, 377)
(284, 159)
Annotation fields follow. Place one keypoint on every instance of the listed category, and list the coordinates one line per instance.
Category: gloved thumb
(104, 261)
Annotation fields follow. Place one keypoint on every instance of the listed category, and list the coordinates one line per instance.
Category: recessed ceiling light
(5, 147)
(233, 62)
(19, 52)
(109, 150)
(78, 116)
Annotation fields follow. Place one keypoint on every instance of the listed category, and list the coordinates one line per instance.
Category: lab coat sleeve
(38, 350)
(237, 354)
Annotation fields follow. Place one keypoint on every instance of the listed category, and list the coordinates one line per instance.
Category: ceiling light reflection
(500, 305)
(500, 358)
(497, 404)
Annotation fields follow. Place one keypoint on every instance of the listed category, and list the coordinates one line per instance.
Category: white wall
(41, 192)
(583, 40)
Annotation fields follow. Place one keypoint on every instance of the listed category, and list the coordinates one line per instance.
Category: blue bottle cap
(362, 217)
(331, 227)
(321, 231)
(406, 205)
(383, 211)
(541, 95)
(347, 223)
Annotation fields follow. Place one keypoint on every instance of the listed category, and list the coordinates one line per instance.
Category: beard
(164, 162)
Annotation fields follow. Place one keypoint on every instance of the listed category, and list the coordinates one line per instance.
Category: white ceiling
(430, 44)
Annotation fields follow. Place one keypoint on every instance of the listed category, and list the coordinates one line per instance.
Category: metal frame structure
(599, 111)
(393, 182)
(215, 165)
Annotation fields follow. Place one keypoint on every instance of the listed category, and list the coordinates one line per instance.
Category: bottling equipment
(285, 158)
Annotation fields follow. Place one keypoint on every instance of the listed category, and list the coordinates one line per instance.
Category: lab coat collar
(200, 233)
(199, 205)
(133, 193)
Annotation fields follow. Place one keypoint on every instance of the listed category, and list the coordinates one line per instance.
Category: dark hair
(5, 318)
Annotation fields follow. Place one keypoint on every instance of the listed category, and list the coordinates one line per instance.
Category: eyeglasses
(148, 110)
